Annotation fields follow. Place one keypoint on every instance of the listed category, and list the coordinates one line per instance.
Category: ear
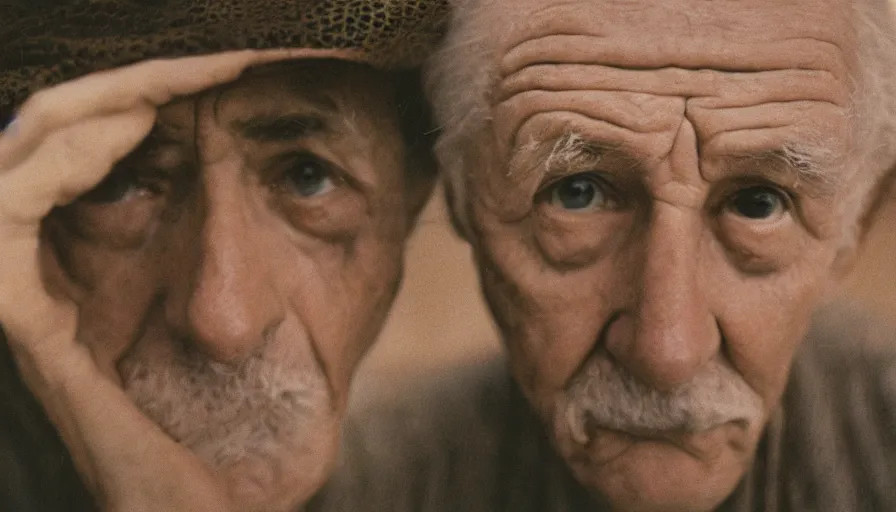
(883, 193)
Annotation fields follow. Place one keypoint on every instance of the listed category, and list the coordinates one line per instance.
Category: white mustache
(609, 397)
(222, 412)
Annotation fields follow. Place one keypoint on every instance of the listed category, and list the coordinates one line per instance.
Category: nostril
(601, 346)
(661, 350)
(617, 335)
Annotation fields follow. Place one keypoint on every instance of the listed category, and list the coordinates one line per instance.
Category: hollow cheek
(551, 320)
(373, 278)
(114, 290)
(340, 294)
(765, 324)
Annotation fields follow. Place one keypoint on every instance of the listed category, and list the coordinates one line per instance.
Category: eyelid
(283, 162)
(155, 182)
(788, 197)
(607, 187)
(553, 178)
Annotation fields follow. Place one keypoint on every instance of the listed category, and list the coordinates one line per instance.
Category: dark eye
(757, 202)
(581, 192)
(309, 177)
(121, 186)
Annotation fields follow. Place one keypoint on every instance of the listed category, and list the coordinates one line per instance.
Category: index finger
(153, 82)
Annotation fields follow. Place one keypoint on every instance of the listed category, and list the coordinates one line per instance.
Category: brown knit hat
(45, 42)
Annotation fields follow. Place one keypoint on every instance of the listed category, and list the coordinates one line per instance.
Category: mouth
(607, 443)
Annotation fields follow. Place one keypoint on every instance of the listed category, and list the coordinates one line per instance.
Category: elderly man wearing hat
(201, 233)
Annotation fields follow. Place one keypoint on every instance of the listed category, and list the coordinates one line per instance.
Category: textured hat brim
(46, 46)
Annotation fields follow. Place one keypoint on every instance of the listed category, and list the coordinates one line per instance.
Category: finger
(72, 161)
(28, 314)
(153, 82)
(69, 163)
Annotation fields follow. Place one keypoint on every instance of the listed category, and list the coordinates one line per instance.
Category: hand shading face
(235, 267)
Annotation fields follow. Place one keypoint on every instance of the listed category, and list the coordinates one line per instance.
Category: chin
(280, 474)
(647, 475)
(264, 484)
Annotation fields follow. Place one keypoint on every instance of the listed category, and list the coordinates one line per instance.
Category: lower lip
(608, 444)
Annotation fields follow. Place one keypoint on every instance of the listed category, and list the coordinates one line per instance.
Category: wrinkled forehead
(318, 96)
(737, 35)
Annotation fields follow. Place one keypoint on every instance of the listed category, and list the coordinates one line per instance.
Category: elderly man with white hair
(660, 195)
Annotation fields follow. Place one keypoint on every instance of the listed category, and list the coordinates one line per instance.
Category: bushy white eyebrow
(570, 153)
(573, 153)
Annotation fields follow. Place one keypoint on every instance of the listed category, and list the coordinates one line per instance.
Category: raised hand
(63, 142)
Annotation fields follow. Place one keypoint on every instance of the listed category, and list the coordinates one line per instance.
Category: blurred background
(440, 319)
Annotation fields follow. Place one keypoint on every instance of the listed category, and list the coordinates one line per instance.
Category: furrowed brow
(285, 128)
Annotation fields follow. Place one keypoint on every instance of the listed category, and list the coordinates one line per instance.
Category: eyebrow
(573, 153)
(807, 163)
(280, 128)
(569, 154)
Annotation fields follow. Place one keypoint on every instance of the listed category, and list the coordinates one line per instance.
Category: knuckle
(155, 77)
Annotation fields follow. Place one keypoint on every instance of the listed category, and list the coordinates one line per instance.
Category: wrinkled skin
(673, 243)
(233, 270)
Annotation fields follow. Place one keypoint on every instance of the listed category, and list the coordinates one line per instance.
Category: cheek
(341, 294)
(764, 320)
(551, 319)
(113, 289)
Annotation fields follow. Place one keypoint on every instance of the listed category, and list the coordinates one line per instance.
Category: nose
(668, 335)
(231, 307)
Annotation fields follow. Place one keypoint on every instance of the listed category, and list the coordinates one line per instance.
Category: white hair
(264, 422)
(461, 76)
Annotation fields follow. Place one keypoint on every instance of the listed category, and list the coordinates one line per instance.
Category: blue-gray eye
(578, 193)
(758, 202)
(309, 177)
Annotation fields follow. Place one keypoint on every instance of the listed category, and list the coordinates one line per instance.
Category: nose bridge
(674, 332)
(669, 291)
(231, 306)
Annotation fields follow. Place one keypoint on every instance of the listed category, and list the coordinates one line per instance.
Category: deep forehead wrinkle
(721, 88)
(691, 34)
